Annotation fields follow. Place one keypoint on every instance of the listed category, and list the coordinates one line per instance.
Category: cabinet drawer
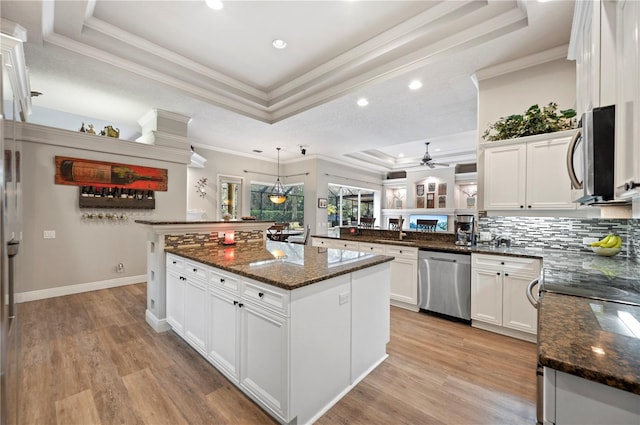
(270, 297)
(402, 252)
(196, 270)
(322, 242)
(224, 281)
(529, 266)
(350, 245)
(175, 263)
(372, 248)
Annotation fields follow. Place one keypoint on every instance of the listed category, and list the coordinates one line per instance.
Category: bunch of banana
(610, 241)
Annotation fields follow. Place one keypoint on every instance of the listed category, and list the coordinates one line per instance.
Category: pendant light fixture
(278, 195)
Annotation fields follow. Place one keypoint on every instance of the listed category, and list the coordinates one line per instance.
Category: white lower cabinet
(224, 333)
(291, 351)
(195, 314)
(175, 301)
(572, 400)
(498, 295)
(404, 276)
(264, 344)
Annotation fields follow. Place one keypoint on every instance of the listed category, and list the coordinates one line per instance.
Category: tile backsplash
(563, 233)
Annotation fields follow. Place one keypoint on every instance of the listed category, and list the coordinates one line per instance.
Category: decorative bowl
(605, 252)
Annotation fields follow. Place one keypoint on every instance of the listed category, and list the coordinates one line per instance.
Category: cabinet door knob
(506, 274)
(174, 262)
(240, 305)
(521, 206)
(221, 280)
(498, 273)
(235, 303)
(528, 206)
(502, 262)
(195, 270)
(400, 251)
(261, 294)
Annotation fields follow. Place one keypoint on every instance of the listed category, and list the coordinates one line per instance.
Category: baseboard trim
(405, 305)
(41, 294)
(158, 325)
(505, 331)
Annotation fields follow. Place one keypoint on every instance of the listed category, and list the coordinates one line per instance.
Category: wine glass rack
(114, 197)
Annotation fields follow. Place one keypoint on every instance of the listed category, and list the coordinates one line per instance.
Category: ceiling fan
(428, 161)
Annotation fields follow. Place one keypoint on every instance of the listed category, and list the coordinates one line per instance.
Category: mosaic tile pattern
(210, 239)
(563, 233)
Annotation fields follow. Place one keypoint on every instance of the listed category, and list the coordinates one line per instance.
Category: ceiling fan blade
(439, 164)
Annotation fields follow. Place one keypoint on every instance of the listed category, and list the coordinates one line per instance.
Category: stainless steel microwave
(591, 157)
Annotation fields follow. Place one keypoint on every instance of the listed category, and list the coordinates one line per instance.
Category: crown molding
(559, 52)
(343, 74)
(210, 96)
(175, 58)
(13, 61)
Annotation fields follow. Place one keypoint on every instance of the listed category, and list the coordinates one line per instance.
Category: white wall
(83, 252)
(515, 92)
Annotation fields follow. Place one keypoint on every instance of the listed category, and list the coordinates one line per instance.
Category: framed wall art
(431, 200)
(432, 187)
(442, 201)
(420, 190)
(86, 172)
(442, 189)
(420, 202)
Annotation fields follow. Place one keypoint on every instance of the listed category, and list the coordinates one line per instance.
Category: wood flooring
(91, 359)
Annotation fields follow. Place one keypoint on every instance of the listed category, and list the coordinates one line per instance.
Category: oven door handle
(529, 292)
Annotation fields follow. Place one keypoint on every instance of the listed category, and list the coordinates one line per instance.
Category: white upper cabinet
(528, 174)
(593, 47)
(628, 100)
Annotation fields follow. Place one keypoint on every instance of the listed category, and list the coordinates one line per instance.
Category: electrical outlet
(120, 268)
(49, 234)
(344, 298)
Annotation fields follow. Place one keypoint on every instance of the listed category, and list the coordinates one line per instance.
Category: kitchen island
(294, 327)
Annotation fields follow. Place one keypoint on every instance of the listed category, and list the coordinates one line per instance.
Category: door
(224, 329)
(517, 311)
(175, 301)
(264, 371)
(195, 317)
(486, 296)
(548, 184)
(505, 177)
(404, 280)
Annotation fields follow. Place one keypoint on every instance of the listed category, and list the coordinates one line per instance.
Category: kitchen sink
(396, 242)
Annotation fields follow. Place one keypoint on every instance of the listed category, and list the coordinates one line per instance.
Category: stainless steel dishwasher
(444, 283)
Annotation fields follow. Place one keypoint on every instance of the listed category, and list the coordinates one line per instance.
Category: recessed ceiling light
(279, 44)
(415, 85)
(363, 102)
(400, 155)
(215, 4)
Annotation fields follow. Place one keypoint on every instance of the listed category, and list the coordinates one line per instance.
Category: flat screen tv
(442, 225)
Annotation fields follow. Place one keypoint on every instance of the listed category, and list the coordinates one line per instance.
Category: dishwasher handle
(448, 260)
(529, 292)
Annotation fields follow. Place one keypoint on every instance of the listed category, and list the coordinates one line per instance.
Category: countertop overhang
(285, 265)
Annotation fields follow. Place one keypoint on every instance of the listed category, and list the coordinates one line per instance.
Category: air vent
(396, 175)
(257, 151)
(466, 168)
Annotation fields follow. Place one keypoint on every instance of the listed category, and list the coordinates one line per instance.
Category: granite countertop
(589, 338)
(281, 264)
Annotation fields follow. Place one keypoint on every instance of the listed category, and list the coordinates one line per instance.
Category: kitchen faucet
(400, 221)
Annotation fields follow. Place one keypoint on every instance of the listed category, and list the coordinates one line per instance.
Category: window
(347, 204)
(292, 210)
(230, 190)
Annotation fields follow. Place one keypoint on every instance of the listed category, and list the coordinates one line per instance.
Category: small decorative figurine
(82, 129)
(90, 130)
